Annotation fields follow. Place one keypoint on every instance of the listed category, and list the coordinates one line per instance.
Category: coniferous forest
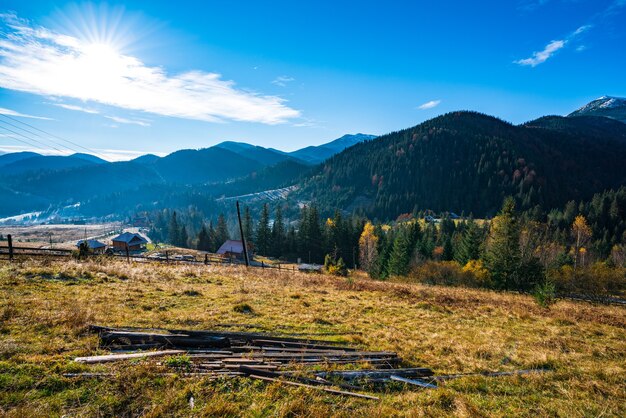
(469, 162)
(578, 249)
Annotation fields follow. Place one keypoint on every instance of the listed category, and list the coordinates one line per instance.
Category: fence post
(262, 265)
(206, 259)
(127, 254)
(10, 241)
(167, 257)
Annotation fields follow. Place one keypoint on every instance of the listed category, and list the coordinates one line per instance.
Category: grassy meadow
(45, 307)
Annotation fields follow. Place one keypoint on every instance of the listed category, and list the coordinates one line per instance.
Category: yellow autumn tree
(368, 247)
(581, 232)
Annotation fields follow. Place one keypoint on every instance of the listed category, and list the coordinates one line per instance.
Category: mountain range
(460, 161)
(31, 181)
(611, 107)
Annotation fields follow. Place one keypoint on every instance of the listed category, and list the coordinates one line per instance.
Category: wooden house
(134, 242)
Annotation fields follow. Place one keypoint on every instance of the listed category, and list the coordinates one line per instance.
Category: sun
(100, 52)
(100, 60)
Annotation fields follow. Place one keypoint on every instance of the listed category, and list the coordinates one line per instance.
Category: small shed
(134, 242)
(231, 249)
(93, 244)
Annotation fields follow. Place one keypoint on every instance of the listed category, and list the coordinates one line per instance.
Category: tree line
(309, 238)
(579, 249)
(512, 251)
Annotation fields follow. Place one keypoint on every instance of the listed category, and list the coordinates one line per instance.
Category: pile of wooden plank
(219, 354)
(222, 350)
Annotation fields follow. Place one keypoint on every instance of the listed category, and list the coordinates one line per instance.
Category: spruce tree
(469, 247)
(173, 230)
(502, 257)
(204, 243)
(221, 233)
(248, 227)
(263, 232)
(303, 236)
(448, 250)
(400, 255)
(291, 244)
(278, 234)
(212, 234)
(183, 237)
(315, 235)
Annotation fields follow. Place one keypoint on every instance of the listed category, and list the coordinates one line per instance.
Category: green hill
(466, 161)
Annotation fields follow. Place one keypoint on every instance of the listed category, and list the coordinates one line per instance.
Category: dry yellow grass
(45, 307)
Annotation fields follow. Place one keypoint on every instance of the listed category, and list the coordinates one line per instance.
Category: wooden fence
(13, 252)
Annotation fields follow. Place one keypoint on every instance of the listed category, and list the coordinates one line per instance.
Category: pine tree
(315, 235)
(204, 244)
(400, 255)
(502, 258)
(248, 227)
(469, 247)
(183, 237)
(263, 232)
(221, 233)
(302, 237)
(173, 230)
(278, 233)
(291, 244)
(212, 234)
(448, 250)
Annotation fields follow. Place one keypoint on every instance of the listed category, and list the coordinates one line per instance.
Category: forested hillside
(468, 162)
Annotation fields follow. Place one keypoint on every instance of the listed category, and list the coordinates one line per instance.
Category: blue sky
(124, 78)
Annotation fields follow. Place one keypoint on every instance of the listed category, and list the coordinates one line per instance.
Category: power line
(54, 136)
(24, 142)
(32, 139)
(34, 133)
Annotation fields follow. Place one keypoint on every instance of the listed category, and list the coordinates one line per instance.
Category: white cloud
(580, 30)
(9, 112)
(77, 108)
(541, 56)
(39, 61)
(282, 80)
(128, 121)
(429, 105)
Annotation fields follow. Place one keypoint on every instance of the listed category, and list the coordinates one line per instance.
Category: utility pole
(243, 237)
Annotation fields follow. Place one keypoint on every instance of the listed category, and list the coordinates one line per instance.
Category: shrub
(597, 279)
(545, 294)
(450, 273)
(480, 274)
(334, 266)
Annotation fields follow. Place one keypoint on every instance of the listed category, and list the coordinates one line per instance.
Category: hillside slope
(468, 162)
(49, 305)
